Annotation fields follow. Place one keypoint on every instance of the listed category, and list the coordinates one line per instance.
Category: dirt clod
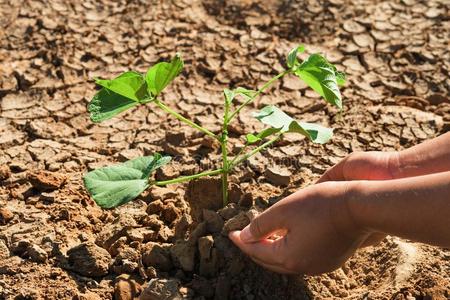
(5, 172)
(158, 256)
(214, 221)
(278, 175)
(88, 259)
(162, 289)
(183, 255)
(46, 181)
(126, 288)
(238, 222)
(6, 215)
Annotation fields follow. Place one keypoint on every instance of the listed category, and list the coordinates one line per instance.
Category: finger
(335, 173)
(273, 268)
(269, 251)
(264, 225)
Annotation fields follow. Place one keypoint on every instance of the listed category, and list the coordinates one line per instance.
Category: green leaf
(321, 76)
(116, 185)
(276, 118)
(161, 74)
(292, 56)
(129, 84)
(251, 138)
(106, 104)
(231, 94)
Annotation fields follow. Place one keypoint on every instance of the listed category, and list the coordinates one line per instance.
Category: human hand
(320, 234)
(372, 165)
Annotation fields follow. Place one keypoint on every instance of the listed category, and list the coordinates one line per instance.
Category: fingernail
(246, 235)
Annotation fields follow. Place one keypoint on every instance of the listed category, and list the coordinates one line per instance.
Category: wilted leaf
(129, 84)
(321, 76)
(161, 74)
(106, 104)
(116, 185)
(276, 118)
(292, 56)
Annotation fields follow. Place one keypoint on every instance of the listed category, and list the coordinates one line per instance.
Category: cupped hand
(319, 233)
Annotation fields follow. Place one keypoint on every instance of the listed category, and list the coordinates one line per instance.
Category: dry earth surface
(55, 243)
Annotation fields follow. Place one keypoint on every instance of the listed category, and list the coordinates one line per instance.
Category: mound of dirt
(171, 243)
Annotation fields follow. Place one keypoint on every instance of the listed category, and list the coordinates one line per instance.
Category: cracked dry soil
(171, 243)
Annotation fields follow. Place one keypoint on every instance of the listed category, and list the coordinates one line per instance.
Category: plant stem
(187, 178)
(260, 91)
(223, 145)
(183, 119)
(254, 151)
(239, 153)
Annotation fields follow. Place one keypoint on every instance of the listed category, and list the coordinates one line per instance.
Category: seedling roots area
(135, 135)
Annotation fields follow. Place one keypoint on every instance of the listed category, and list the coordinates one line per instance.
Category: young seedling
(115, 185)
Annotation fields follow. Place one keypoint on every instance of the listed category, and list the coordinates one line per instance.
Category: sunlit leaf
(106, 104)
(276, 118)
(116, 185)
(161, 74)
(129, 84)
(321, 76)
(292, 56)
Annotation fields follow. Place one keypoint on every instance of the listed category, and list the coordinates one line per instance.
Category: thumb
(263, 225)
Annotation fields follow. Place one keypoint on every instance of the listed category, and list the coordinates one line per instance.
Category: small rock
(205, 245)
(158, 256)
(246, 200)
(126, 261)
(162, 193)
(236, 223)
(36, 253)
(90, 260)
(155, 207)
(141, 235)
(208, 256)
(165, 234)
(229, 211)
(112, 232)
(4, 251)
(126, 288)
(153, 222)
(278, 175)
(183, 255)
(235, 193)
(170, 212)
(214, 222)
(46, 181)
(5, 172)
(166, 173)
(162, 289)
(5, 216)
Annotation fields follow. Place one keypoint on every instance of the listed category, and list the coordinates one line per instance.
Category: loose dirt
(55, 243)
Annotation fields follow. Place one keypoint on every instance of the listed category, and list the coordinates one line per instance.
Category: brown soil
(55, 243)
